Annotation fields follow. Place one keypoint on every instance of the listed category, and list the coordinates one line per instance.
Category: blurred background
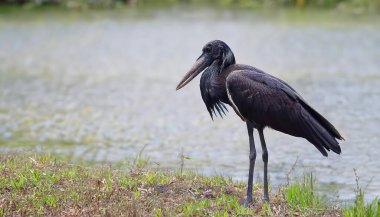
(95, 80)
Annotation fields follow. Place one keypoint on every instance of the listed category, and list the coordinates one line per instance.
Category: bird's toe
(248, 202)
(266, 199)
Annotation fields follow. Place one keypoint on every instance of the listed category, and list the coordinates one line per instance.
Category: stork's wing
(268, 101)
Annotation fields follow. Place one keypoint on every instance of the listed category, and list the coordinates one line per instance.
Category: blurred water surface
(105, 88)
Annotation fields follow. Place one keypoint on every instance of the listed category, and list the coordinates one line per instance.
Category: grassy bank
(43, 185)
(368, 5)
(354, 6)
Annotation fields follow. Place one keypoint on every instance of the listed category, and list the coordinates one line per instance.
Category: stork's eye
(207, 49)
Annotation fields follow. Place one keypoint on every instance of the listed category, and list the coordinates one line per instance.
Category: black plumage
(261, 100)
(267, 101)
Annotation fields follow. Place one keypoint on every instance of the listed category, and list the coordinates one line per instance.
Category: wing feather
(268, 101)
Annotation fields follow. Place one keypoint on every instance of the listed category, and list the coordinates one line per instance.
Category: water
(104, 88)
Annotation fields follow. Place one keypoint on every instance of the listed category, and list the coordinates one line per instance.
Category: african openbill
(261, 100)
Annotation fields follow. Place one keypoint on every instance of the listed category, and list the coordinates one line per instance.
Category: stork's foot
(248, 202)
(266, 199)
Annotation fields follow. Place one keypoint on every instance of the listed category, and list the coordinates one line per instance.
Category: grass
(42, 185)
(360, 208)
(284, 15)
(302, 198)
(367, 5)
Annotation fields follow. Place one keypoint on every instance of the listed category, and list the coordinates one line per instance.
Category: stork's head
(213, 53)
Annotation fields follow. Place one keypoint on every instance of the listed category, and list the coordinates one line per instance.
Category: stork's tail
(320, 133)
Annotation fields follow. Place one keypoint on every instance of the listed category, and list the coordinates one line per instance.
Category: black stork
(259, 99)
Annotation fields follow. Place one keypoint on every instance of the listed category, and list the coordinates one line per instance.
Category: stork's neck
(215, 68)
(220, 64)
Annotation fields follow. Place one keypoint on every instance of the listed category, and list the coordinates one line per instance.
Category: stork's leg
(265, 159)
(252, 158)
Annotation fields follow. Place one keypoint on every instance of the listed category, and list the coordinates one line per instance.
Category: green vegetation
(356, 5)
(43, 185)
(360, 208)
(301, 197)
